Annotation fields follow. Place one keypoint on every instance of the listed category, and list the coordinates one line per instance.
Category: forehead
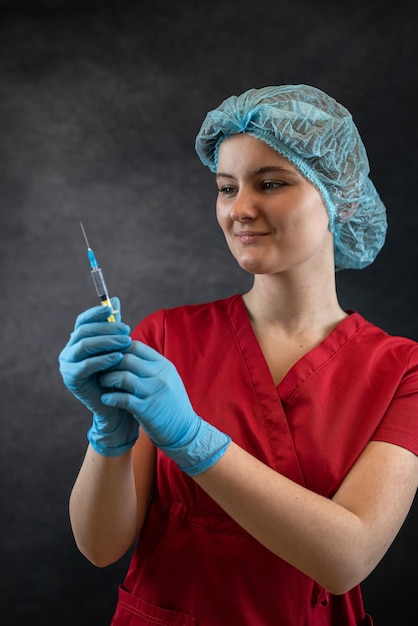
(244, 150)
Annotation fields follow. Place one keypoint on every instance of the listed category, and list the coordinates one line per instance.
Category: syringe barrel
(99, 283)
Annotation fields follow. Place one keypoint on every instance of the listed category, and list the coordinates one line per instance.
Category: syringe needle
(84, 233)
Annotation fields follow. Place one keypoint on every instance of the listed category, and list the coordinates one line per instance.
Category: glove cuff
(207, 447)
(116, 442)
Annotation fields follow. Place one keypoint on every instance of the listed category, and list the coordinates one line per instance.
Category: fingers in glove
(158, 367)
(131, 383)
(73, 371)
(145, 352)
(124, 401)
(116, 308)
(98, 313)
(96, 329)
(94, 346)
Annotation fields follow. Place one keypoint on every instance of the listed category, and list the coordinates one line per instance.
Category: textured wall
(100, 103)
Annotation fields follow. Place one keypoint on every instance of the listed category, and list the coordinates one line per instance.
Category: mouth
(249, 236)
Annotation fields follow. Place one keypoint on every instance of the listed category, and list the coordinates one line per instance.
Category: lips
(249, 236)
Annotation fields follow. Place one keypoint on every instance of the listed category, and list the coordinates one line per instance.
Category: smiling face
(273, 218)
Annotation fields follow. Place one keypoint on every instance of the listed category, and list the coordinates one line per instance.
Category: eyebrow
(262, 170)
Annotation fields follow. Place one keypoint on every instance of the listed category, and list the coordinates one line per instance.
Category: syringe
(98, 279)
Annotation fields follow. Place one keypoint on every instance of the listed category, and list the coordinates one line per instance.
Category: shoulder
(186, 319)
(189, 311)
(378, 343)
(390, 361)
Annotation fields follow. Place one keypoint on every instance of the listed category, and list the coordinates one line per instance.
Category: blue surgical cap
(318, 135)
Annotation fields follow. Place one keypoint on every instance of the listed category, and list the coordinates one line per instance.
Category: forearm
(316, 535)
(103, 507)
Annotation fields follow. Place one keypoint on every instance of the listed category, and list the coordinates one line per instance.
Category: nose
(244, 207)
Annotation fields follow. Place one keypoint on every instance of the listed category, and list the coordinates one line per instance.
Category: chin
(253, 267)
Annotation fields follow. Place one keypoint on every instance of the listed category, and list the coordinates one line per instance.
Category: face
(273, 218)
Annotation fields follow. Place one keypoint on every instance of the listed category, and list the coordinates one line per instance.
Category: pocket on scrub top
(133, 611)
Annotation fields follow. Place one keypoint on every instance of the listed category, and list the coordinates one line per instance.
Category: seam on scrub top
(332, 356)
(266, 428)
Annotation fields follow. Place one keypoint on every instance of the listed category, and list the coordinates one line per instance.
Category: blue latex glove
(95, 346)
(152, 390)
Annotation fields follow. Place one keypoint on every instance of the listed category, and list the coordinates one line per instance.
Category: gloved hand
(152, 390)
(95, 346)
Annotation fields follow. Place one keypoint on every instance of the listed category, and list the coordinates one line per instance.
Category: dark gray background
(100, 103)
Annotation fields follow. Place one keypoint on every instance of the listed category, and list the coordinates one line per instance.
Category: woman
(276, 458)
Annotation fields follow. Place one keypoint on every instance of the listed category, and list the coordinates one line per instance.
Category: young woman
(276, 457)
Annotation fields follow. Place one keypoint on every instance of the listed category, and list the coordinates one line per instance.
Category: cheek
(222, 216)
(313, 216)
(307, 227)
(316, 231)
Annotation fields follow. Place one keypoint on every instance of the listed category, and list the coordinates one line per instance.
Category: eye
(226, 190)
(270, 185)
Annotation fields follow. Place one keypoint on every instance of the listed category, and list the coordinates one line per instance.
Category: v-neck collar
(280, 447)
(305, 366)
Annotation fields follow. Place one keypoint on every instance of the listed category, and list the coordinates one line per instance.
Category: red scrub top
(193, 565)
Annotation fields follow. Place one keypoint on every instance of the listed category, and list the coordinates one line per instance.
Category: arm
(336, 542)
(107, 504)
(109, 501)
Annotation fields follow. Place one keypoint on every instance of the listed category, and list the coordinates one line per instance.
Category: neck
(294, 303)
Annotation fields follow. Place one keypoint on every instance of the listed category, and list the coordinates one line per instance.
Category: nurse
(260, 449)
